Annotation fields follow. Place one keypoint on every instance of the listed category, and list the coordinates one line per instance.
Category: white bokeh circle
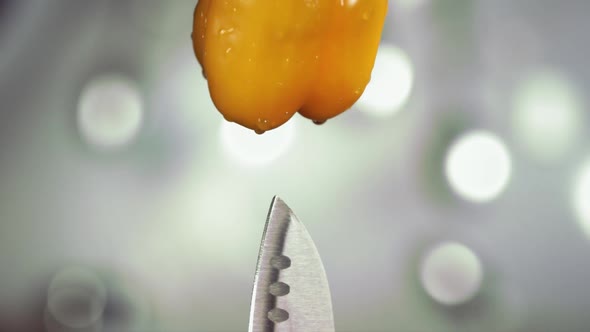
(76, 297)
(451, 273)
(478, 166)
(410, 5)
(391, 82)
(547, 115)
(110, 111)
(247, 148)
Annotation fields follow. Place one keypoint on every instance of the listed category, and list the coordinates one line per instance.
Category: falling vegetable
(264, 60)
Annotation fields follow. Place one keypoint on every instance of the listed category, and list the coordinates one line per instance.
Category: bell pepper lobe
(265, 60)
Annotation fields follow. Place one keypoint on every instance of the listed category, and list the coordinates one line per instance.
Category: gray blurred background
(454, 196)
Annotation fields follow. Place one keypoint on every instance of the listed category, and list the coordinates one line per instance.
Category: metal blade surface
(291, 291)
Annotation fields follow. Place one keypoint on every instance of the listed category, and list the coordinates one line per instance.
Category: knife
(291, 291)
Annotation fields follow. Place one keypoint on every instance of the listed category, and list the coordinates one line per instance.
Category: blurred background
(454, 196)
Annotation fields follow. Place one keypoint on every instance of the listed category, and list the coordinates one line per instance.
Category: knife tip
(279, 211)
(277, 202)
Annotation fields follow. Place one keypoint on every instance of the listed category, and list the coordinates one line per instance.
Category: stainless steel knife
(291, 291)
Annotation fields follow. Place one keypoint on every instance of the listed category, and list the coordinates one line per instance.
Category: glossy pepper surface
(265, 60)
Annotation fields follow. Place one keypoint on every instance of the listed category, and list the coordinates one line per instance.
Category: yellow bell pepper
(265, 60)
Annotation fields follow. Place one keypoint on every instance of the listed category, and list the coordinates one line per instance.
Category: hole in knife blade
(280, 262)
(279, 289)
(278, 315)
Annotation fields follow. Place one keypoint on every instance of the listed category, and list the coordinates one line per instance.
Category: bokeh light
(110, 111)
(391, 82)
(250, 149)
(547, 116)
(451, 273)
(409, 4)
(581, 196)
(478, 166)
(76, 297)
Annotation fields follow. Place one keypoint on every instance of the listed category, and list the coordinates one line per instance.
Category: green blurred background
(454, 196)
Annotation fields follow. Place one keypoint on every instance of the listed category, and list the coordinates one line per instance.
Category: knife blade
(291, 291)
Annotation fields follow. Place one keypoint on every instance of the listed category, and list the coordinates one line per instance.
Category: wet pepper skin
(264, 60)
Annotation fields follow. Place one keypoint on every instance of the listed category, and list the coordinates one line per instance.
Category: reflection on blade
(291, 291)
